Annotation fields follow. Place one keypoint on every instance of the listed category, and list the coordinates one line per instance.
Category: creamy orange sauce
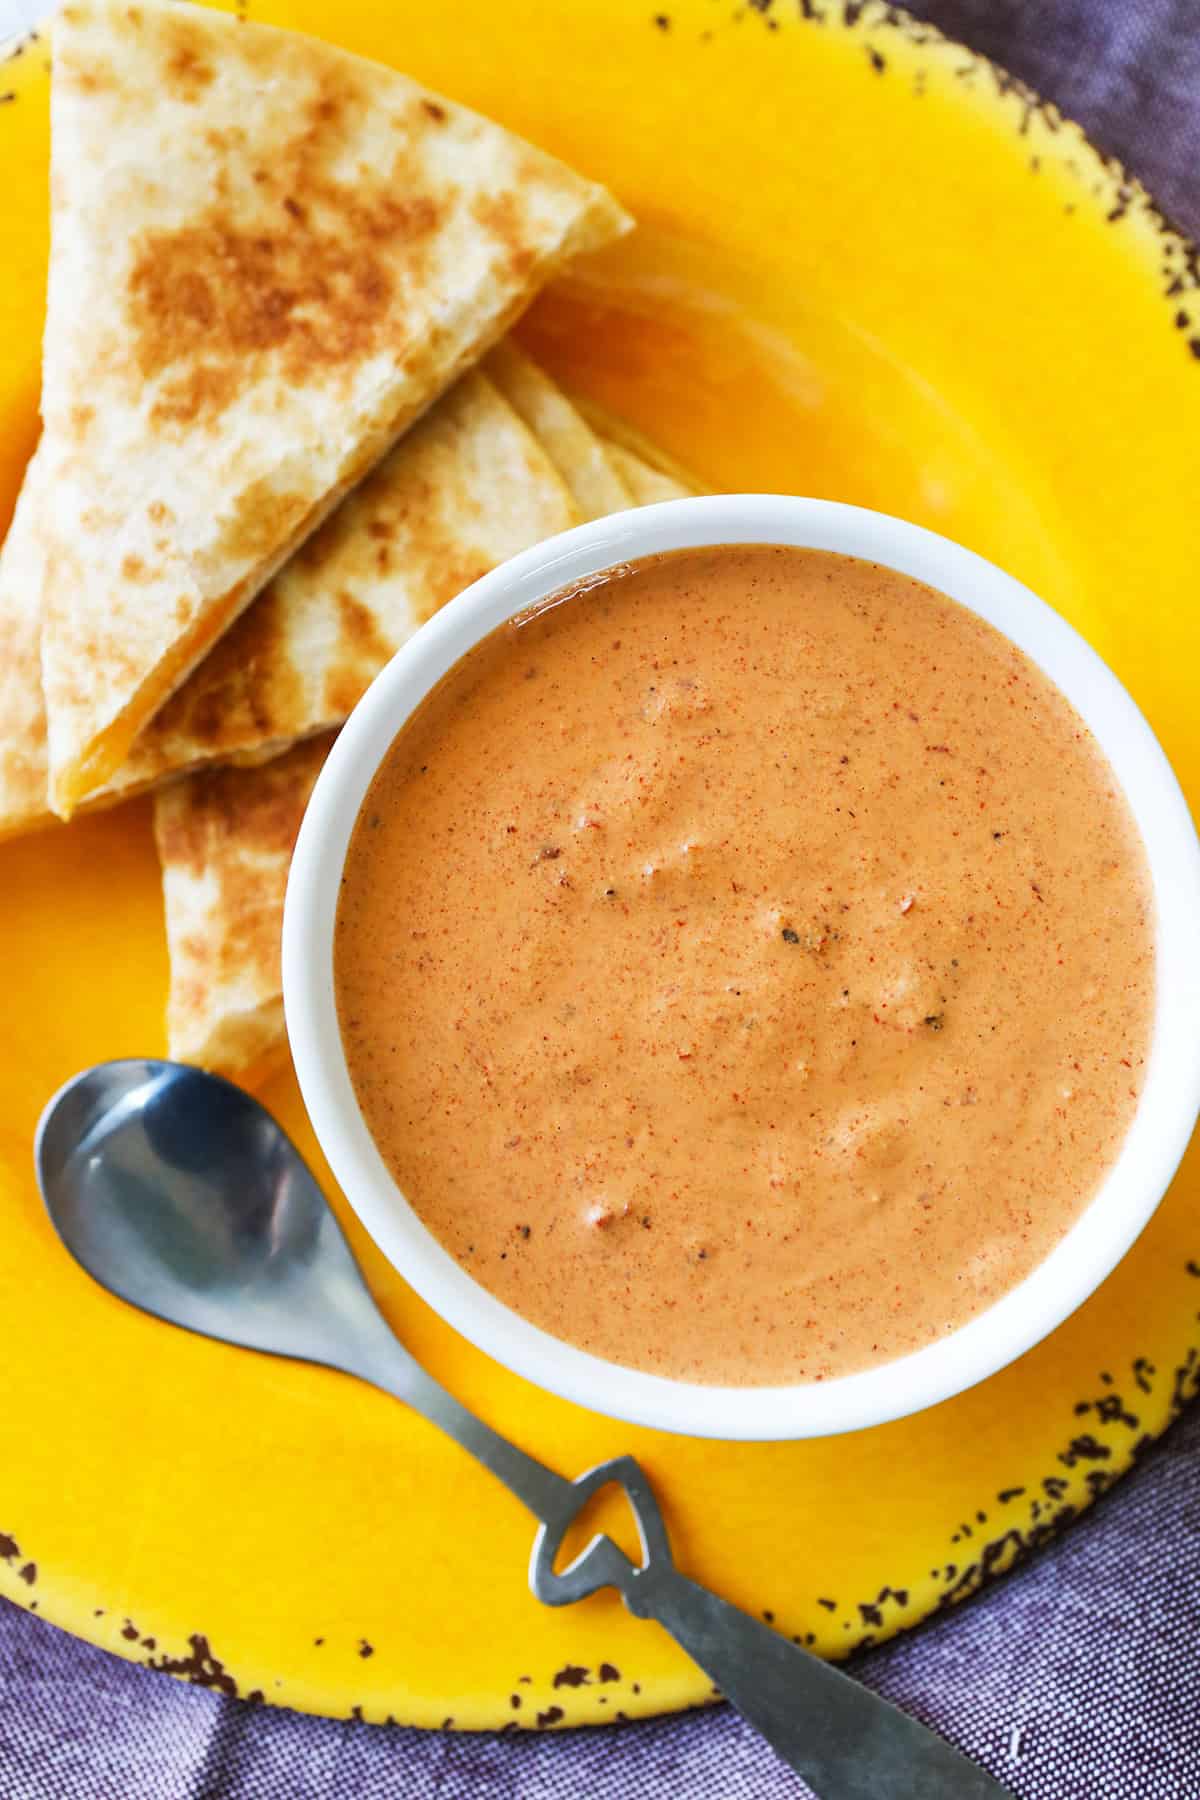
(745, 967)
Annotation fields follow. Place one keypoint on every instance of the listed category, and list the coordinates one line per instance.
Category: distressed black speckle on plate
(1010, 356)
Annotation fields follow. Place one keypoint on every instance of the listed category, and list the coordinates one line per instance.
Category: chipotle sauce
(745, 965)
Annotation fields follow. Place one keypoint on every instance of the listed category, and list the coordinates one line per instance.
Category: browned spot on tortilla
(262, 519)
(252, 803)
(502, 217)
(257, 812)
(381, 532)
(206, 389)
(327, 542)
(244, 692)
(81, 418)
(362, 651)
(310, 284)
(187, 72)
(230, 137)
(91, 77)
(437, 113)
(134, 569)
(454, 574)
(159, 513)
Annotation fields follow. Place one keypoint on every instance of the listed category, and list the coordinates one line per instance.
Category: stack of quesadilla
(268, 453)
(467, 488)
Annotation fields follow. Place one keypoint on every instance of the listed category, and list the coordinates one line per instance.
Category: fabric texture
(1072, 1678)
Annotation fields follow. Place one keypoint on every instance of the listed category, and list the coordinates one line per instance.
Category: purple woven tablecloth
(1074, 1678)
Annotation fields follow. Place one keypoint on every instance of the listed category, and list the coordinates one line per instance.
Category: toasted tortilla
(267, 258)
(646, 483)
(466, 488)
(225, 840)
(224, 878)
(22, 714)
(595, 483)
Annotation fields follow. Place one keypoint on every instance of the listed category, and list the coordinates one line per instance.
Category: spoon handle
(548, 1496)
(845, 1741)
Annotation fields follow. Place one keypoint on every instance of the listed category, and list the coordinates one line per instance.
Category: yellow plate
(870, 267)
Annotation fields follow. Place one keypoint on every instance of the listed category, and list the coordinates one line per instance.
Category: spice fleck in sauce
(745, 967)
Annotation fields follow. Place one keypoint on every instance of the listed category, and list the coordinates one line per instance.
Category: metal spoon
(179, 1193)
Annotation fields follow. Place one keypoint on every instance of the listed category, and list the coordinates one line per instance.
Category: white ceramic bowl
(1164, 1118)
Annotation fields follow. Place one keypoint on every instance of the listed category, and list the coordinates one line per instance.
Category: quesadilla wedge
(466, 488)
(225, 840)
(267, 258)
(225, 1008)
(596, 485)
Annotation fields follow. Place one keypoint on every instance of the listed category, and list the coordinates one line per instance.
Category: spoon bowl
(177, 1192)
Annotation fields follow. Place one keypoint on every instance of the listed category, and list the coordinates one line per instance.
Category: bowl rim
(1166, 1111)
